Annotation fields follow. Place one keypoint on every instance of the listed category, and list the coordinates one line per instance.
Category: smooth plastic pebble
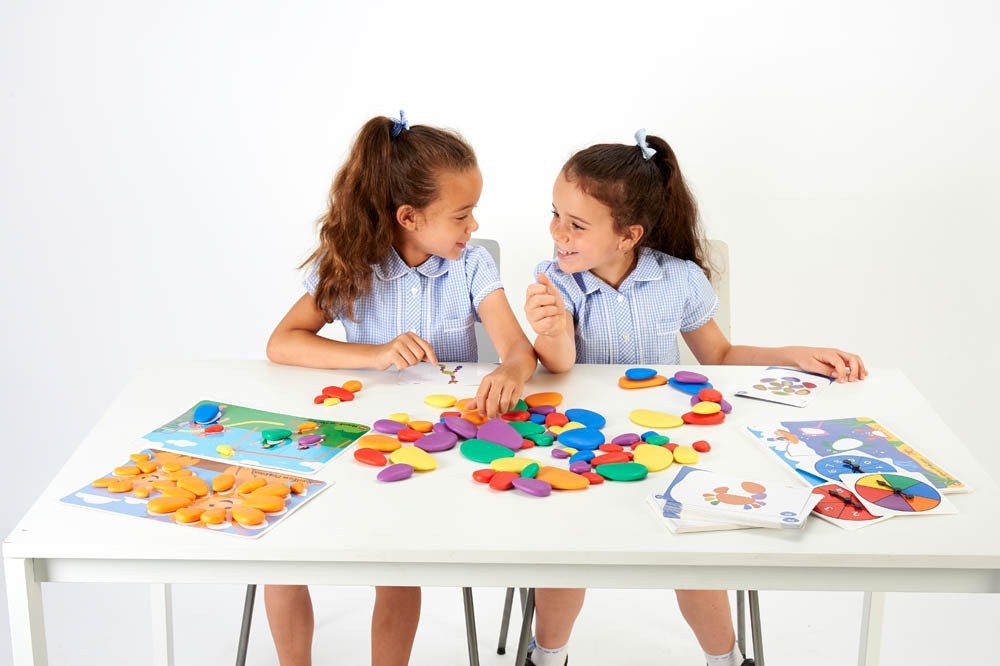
(531, 486)
(368, 456)
(352, 385)
(654, 458)
(437, 441)
(685, 455)
(306, 441)
(461, 426)
(688, 377)
(206, 413)
(247, 516)
(710, 394)
(690, 389)
(639, 374)
(561, 479)
(225, 450)
(503, 480)
(626, 383)
(579, 466)
(624, 471)
(586, 417)
(338, 392)
(701, 446)
(626, 439)
(703, 419)
(499, 431)
(266, 503)
(582, 438)
(409, 435)
(418, 459)
(483, 475)
(531, 471)
(388, 426)
(653, 419)
(510, 464)
(481, 451)
(441, 400)
(378, 442)
(545, 398)
(223, 482)
(330, 401)
(251, 485)
(706, 407)
(561, 454)
(395, 472)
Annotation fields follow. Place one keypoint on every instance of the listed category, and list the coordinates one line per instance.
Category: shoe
(748, 661)
(565, 663)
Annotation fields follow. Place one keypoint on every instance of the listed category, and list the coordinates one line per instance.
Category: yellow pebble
(401, 417)
(225, 450)
(352, 385)
(652, 419)
(308, 426)
(167, 504)
(685, 455)
(555, 430)
(172, 467)
(138, 457)
(223, 482)
(440, 400)
(653, 457)
(572, 425)
(510, 464)
(330, 401)
(419, 459)
(706, 407)
(569, 449)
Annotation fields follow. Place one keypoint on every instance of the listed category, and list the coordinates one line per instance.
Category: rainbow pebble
(396, 472)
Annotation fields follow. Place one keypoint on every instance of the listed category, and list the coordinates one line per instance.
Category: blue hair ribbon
(640, 140)
(399, 125)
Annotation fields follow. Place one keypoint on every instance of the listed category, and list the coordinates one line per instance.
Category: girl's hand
(403, 351)
(544, 309)
(840, 365)
(498, 392)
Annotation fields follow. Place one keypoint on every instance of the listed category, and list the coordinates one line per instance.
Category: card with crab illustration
(196, 493)
(702, 494)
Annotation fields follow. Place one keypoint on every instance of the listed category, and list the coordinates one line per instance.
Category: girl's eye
(577, 226)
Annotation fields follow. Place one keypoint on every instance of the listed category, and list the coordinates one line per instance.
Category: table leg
(871, 629)
(161, 604)
(27, 621)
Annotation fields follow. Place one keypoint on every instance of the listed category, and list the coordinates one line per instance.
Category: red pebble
(593, 477)
(519, 415)
(629, 455)
(215, 427)
(701, 446)
(709, 395)
(503, 480)
(445, 415)
(671, 446)
(556, 419)
(318, 400)
(338, 392)
(611, 448)
(527, 444)
(409, 435)
(369, 456)
(703, 419)
(483, 475)
(608, 458)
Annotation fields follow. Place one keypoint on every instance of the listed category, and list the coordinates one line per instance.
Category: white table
(443, 529)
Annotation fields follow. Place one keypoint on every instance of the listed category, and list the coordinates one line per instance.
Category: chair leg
(741, 624)
(526, 620)
(508, 602)
(755, 630)
(241, 652)
(470, 626)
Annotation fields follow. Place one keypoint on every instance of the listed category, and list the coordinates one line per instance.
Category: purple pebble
(726, 407)
(306, 441)
(579, 467)
(396, 472)
(534, 487)
(440, 427)
(626, 439)
(542, 409)
(437, 441)
(688, 377)
(560, 453)
(500, 432)
(464, 428)
(388, 426)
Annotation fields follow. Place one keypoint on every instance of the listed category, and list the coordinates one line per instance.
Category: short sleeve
(702, 302)
(311, 284)
(482, 274)
(563, 282)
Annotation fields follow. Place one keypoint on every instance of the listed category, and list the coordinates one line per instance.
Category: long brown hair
(651, 193)
(382, 173)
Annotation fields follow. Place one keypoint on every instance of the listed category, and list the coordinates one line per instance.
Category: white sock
(733, 658)
(546, 657)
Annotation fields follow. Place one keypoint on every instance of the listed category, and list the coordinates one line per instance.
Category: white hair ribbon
(640, 140)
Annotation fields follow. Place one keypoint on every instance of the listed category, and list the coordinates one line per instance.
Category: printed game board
(238, 436)
(151, 476)
(802, 444)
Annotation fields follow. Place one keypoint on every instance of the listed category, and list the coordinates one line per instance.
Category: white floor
(102, 625)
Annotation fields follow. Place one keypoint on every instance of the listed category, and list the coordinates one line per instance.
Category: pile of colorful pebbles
(708, 407)
(334, 395)
(207, 416)
(636, 378)
(171, 487)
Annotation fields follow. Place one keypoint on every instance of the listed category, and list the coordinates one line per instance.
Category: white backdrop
(162, 164)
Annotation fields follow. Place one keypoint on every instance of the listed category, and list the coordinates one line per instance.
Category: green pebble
(531, 471)
(481, 451)
(527, 428)
(541, 440)
(658, 440)
(521, 406)
(275, 434)
(625, 471)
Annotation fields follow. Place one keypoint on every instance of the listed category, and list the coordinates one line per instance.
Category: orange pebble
(297, 487)
(352, 385)
(475, 418)
(188, 514)
(215, 516)
(248, 516)
(421, 426)
(544, 398)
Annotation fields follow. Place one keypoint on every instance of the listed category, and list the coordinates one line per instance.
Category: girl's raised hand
(498, 392)
(403, 351)
(840, 365)
(543, 306)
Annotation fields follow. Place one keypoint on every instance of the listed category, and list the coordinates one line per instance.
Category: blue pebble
(581, 439)
(690, 389)
(206, 413)
(586, 417)
(538, 418)
(646, 435)
(585, 456)
(638, 374)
